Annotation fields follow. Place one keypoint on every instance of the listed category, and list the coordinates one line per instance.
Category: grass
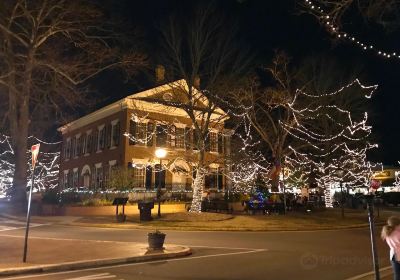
(322, 220)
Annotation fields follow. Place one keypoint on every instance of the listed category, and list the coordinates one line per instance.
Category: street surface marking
(10, 224)
(386, 271)
(135, 264)
(69, 239)
(94, 277)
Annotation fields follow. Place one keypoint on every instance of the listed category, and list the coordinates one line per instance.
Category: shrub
(51, 197)
(70, 198)
(96, 202)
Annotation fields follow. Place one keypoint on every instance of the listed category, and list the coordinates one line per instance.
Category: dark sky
(270, 25)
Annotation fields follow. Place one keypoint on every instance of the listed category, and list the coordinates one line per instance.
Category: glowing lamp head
(161, 153)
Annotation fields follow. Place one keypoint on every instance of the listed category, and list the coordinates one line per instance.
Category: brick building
(95, 144)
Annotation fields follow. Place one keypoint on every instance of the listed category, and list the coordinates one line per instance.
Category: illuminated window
(86, 178)
(162, 135)
(172, 136)
(188, 138)
(73, 147)
(141, 133)
(180, 138)
(89, 143)
(66, 179)
(75, 178)
(84, 147)
(115, 134)
(150, 134)
(138, 176)
(101, 138)
(213, 142)
(78, 146)
(67, 150)
(98, 177)
(214, 179)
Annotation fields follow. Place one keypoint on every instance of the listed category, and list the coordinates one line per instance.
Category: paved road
(231, 255)
(7, 224)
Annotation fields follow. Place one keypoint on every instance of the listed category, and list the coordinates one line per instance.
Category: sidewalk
(49, 254)
(224, 222)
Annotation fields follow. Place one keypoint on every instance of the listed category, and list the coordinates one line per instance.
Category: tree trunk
(20, 145)
(20, 173)
(198, 186)
(19, 121)
(198, 183)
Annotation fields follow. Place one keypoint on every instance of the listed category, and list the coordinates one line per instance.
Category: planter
(237, 206)
(156, 240)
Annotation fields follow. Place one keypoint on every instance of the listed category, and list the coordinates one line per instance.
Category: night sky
(270, 25)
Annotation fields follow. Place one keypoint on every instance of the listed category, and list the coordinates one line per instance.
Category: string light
(343, 148)
(47, 167)
(247, 164)
(397, 178)
(329, 24)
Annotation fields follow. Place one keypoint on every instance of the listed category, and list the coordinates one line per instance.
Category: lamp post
(340, 174)
(160, 154)
(370, 204)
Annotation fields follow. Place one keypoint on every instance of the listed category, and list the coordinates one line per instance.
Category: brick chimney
(160, 74)
(196, 82)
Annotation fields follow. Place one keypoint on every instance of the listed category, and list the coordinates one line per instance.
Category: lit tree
(337, 137)
(247, 161)
(311, 133)
(6, 165)
(269, 112)
(46, 170)
(397, 176)
(48, 49)
(198, 48)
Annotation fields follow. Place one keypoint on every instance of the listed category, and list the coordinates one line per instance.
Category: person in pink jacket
(391, 234)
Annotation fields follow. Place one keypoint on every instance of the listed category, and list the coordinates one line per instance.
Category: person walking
(391, 234)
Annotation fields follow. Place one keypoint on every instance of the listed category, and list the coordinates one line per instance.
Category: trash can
(145, 210)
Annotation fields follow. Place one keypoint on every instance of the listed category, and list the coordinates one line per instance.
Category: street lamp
(160, 154)
(370, 205)
(340, 173)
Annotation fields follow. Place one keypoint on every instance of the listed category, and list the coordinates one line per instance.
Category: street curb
(153, 256)
(193, 228)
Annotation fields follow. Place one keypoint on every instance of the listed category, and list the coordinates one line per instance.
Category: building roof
(171, 93)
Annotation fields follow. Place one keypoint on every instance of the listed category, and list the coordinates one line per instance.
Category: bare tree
(201, 46)
(269, 112)
(48, 49)
(315, 127)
